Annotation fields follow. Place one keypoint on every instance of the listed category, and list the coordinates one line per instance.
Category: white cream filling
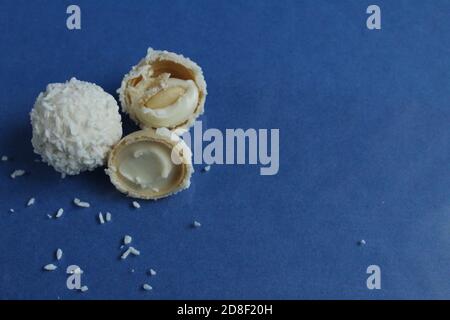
(147, 165)
(177, 111)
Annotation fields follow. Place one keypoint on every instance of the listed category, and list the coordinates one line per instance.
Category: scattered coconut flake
(147, 287)
(4, 158)
(136, 204)
(125, 254)
(11, 210)
(108, 217)
(207, 168)
(80, 203)
(197, 224)
(59, 213)
(134, 251)
(50, 267)
(84, 288)
(127, 239)
(31, 202)
(152, 272)
(362, 242)
(63, 175)
(49, 216)
(59, 254)
(17, 173)
(132, 270)
(100, 218)
(37, 160)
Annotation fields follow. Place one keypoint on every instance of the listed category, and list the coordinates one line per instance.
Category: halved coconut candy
(164, 90)
(150, 164)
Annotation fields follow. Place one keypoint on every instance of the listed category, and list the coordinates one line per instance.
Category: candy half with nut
(164, 90)
(150, 164)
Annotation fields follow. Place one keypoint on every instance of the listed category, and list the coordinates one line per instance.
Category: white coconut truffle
(75, 124)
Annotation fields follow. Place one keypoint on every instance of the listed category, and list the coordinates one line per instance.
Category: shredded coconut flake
(362, 242)
(134, 251)
(59, 213)
(50, 267)
(80, 203)
(125, 254)
(136, 204)
(147, 287)
(197, 224)
(108, 217)
(152, 272)
(100, 218)
(127, 239)
(49, 216)
(31, 202)
(84, 288)
(207, 168)
(59, 254)
(17, 173)
(4, 158)
(11, 210)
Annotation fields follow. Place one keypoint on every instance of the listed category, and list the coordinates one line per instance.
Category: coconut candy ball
(75, 124)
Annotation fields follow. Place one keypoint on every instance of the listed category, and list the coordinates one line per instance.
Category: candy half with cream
(150, 164)
(164, 90)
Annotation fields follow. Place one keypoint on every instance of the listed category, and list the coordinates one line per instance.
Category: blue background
(364, 130)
